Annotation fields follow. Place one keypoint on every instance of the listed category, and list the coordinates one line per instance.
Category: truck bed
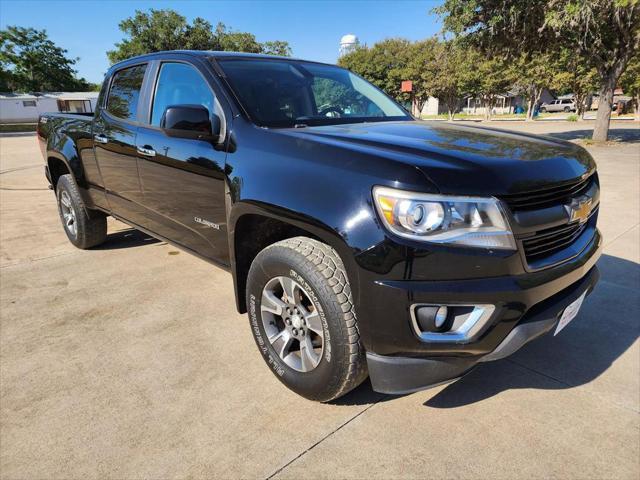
(71, 124)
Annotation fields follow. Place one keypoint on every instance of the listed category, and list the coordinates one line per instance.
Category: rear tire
(84, 228)
(298, 291)
(543, 110)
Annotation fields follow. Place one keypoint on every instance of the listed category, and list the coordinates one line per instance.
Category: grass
(17, 127)
(468, 116)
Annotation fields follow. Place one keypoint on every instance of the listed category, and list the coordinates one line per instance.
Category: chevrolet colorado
(361, 241)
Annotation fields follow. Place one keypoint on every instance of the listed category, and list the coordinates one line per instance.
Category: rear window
(125, 91)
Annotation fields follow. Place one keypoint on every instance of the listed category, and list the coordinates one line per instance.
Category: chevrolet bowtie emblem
(579, 209)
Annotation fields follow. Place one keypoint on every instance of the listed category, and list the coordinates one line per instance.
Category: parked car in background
(564, 105)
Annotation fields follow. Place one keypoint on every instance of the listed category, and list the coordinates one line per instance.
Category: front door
(183, 180)
(114, 136)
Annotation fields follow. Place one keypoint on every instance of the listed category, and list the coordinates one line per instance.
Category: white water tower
(348, 43)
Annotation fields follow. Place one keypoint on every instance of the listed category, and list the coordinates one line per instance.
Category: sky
(88, 28)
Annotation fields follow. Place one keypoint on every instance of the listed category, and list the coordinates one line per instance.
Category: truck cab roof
(207, 53)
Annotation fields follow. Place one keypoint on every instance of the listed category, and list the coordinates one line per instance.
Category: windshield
(284, 93)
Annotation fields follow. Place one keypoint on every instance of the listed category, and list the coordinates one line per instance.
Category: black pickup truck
(361, 241)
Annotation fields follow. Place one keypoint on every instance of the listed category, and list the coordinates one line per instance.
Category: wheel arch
(253, 228)
(63, 152)
(57, 166)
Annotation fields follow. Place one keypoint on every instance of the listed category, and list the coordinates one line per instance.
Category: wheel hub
(292, 323)
(296, 320)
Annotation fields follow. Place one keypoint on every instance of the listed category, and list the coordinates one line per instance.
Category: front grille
(547, 197)
(547, 242)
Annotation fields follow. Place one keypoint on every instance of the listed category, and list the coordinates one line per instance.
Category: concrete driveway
(130, 361)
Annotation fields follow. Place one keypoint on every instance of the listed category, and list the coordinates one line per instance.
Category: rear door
(183, 180)
(114, 135)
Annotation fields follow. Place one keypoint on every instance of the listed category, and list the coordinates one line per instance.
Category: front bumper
(398, 375)
(528, 304)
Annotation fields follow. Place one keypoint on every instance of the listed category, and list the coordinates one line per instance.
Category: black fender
(300, 221)
(302, 224)
(62, 147)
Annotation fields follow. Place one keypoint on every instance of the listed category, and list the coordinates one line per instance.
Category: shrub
(572, 118)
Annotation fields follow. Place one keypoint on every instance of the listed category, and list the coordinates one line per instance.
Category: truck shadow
(127, 238)
(605, 328)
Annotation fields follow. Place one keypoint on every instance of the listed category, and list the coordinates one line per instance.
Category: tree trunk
(603, 118)
(488, 105)
(637, 107)
(580, 105)
(609, 79)
(415, 111)
(536, 99)
(452, 103)
(530, 109)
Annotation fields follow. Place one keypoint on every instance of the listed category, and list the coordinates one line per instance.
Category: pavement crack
(540, 373)
(24, 167)
(32, 260)
(324, 438)
(606, 244)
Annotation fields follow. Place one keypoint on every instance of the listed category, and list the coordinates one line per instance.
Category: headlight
(472, 221)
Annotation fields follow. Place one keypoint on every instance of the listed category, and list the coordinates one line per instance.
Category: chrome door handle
(100, 138)
(147, 152)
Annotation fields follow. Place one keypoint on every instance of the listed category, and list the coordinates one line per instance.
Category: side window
(180, 84)
(125, 91)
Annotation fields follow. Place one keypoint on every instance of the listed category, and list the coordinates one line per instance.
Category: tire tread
(92, 224)
(331, 267)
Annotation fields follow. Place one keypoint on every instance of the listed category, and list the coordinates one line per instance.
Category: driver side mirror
(190, 121)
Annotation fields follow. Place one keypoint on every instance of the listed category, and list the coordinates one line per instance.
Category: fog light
(432, 318)
(441, 317)
(450, 323)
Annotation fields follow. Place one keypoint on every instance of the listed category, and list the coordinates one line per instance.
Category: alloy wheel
(68, 214)
(292, 323)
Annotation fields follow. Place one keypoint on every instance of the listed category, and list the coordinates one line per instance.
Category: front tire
(84, 228)
(303, 318)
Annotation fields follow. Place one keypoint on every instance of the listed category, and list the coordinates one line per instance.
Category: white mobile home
(27, 107)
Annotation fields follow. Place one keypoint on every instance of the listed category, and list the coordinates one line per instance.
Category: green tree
(276, 47)
(575, 77)
(421, 59)
(449, 73)
(490, 77)
(31, 62)
(385, 64)
(532, 74)
(158, 30)
(604, 34)
(231, 41)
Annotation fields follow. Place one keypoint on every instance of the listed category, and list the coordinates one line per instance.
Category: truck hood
(461, 159)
